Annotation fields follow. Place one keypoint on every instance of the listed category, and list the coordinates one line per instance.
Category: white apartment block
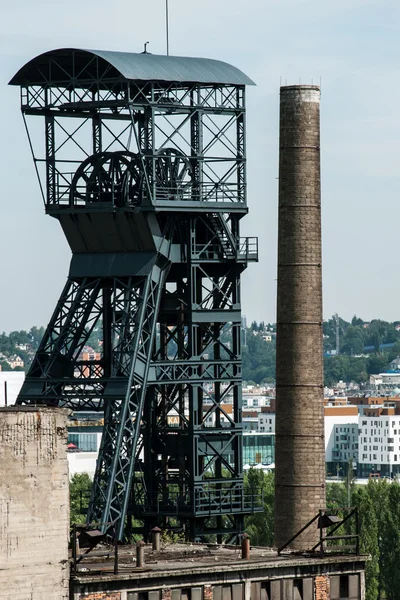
(253, 402)
(379, 444)
(266, 422)
(345, 443)
(341, 433)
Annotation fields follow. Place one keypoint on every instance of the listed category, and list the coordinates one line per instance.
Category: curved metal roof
(65, 63)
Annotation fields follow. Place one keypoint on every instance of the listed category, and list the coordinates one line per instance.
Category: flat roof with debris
(190, 558)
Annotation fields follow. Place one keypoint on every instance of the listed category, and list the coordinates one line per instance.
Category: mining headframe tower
(144, 166)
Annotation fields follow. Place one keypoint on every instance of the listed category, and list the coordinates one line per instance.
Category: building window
(87, 442)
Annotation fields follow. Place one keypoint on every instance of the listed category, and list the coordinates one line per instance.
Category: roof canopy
(58, 67)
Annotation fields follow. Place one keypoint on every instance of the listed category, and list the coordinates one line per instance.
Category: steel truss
(148, 182)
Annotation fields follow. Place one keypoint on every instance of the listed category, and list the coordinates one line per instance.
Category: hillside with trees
(364, 348)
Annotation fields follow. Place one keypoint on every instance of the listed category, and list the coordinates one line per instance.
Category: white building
(385, 379)
(254, 402)
(266, 422)
(82, 462)
(379, 443)
(341, 433)
(10, 385)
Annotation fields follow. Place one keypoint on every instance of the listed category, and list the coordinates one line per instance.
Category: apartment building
(379, 442)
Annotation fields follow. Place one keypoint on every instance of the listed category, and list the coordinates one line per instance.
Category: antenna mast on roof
(167, 25)
(337, 335)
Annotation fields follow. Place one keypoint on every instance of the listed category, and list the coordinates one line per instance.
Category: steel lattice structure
(144, 168)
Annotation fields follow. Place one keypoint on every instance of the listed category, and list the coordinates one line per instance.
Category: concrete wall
(34, 504)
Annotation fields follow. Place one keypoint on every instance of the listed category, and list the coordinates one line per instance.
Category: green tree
(260, 525)
(79, 490)
(336, 496)
(377, 363)
(258, 359)
(357, 321)
(353, 340)
(369, 539)
(36, 334)
(389, 527)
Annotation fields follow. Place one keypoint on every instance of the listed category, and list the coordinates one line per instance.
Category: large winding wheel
(108, 177)
(173, 174)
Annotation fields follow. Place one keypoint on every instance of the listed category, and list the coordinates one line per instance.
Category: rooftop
(190, 558)
(79, 66)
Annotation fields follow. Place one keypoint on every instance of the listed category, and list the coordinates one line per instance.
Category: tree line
(364, 348)
(352, 364)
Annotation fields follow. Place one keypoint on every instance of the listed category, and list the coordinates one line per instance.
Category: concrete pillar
(245, 547)
(300, 452)
(156, 538)
(140, 553)
(34, 503)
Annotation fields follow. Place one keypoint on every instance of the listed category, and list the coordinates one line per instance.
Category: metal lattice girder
(116, 462)
(76, 314)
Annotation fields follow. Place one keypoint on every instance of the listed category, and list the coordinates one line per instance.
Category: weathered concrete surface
(299, 439)
(34, 504)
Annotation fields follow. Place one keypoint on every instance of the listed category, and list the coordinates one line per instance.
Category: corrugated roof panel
(139, 67)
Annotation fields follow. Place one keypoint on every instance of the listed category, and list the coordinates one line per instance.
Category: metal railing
(246, 250)
(325, 520)
(83, 195)
(203, 502)
(77, 558)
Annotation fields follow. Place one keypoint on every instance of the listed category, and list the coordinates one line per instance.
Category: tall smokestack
(300, 451)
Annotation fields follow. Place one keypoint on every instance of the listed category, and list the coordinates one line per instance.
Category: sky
(350, 46)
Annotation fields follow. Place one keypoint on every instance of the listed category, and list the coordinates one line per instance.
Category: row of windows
(347, 446)
(342, 587)
(374, 457)
(347, 429)
(258, 449)
(254, 403)
(380, 424)
(87, 442)
(376, 448)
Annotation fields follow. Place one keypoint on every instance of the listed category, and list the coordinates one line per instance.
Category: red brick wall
(322, 588)
(102, 596)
